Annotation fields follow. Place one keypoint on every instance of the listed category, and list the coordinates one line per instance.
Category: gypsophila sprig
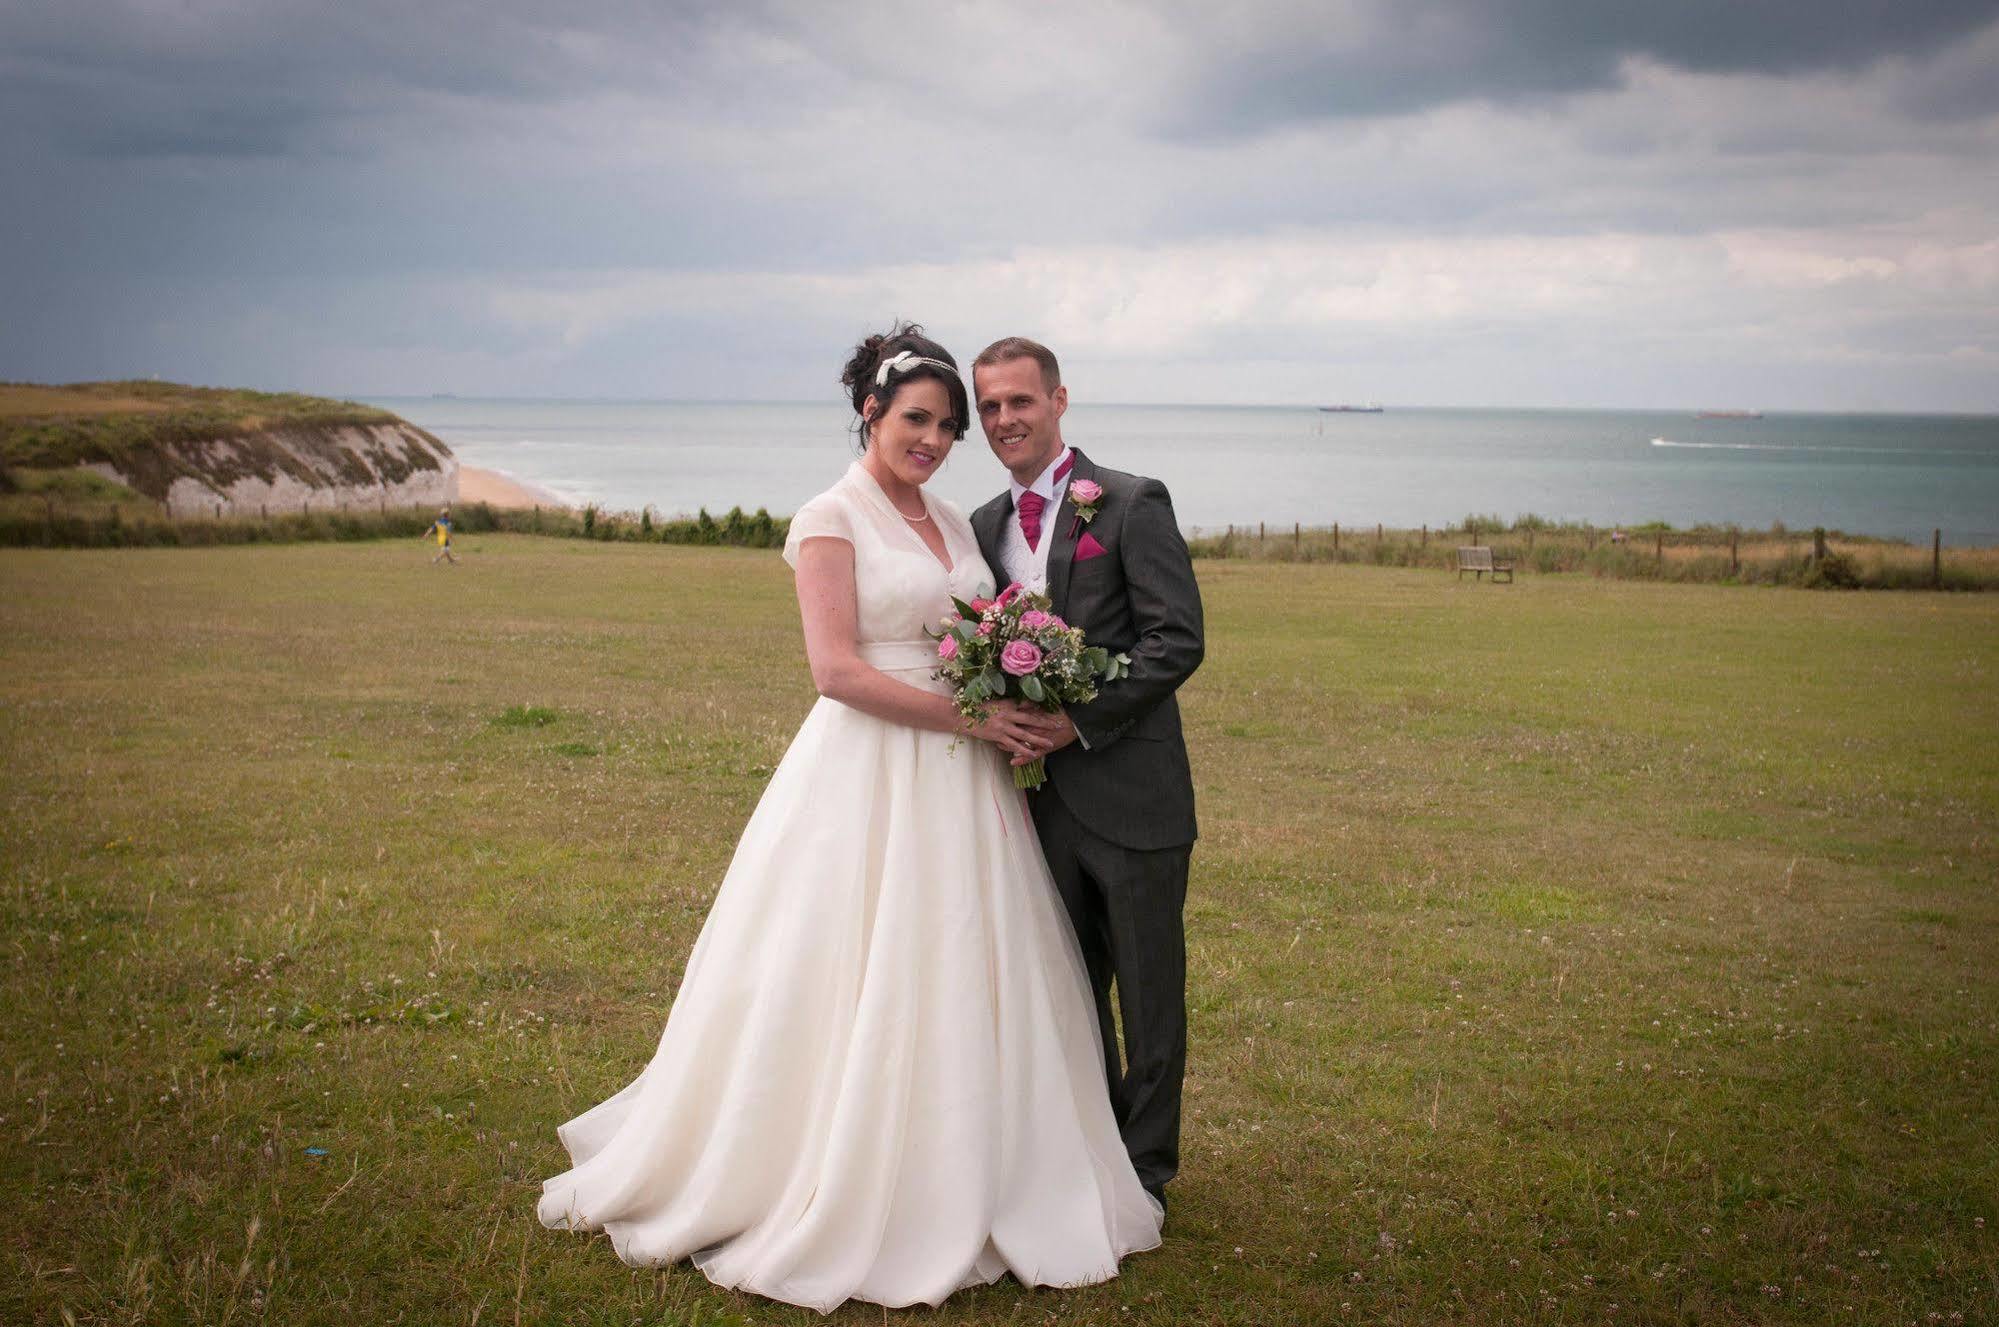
(1016, 647)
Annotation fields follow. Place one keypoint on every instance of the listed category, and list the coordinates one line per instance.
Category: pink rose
(1009, 594)
(1057, 623)
(1086, 490)
(947, 648)
(1020, 657)
(981, 605)
(1034, 619)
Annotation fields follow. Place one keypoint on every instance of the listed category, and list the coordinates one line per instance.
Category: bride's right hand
(1009, 725)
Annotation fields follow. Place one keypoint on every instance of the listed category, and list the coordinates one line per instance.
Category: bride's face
(914, 435)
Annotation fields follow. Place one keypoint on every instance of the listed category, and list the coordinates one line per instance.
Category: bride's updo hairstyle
(863, 376)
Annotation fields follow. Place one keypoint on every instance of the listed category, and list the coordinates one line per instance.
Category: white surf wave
(1806, 447)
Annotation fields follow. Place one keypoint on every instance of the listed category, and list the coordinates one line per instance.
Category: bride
(881, 1078)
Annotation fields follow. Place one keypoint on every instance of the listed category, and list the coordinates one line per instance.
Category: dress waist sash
(900, 656)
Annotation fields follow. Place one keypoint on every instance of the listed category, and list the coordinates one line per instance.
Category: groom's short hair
(1019, 347)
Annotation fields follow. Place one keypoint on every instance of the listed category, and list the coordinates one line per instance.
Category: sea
(1896, 476)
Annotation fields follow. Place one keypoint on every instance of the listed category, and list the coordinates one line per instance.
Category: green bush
(1834, 571)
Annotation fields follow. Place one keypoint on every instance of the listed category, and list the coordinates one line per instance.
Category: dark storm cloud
(628, 196)
(148, 79)
(1386, 57)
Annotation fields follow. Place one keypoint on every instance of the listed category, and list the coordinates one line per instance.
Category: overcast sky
(1771, 203)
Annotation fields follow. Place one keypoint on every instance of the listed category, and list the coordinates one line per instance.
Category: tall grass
(1713, 554)
(40, 518)
(77, 509)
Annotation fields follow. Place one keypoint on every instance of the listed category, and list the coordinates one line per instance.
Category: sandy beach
(498, 490)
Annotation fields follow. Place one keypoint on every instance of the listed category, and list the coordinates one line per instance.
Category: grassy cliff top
(48, 426)
(154, 433)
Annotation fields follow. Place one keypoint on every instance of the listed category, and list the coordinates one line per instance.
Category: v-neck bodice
(900, 586)
(869, 483)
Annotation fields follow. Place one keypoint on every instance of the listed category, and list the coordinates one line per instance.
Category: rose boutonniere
(1084, 495)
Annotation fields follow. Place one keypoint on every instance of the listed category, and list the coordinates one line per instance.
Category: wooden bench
(1478, 561)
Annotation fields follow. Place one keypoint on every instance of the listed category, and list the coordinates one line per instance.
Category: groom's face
(1021, 416)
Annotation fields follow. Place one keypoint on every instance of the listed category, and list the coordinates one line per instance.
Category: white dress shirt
(1029, 565)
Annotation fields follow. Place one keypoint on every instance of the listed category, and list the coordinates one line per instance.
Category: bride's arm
(829, 610)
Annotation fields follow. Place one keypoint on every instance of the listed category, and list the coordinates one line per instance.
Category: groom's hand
(1051, 732)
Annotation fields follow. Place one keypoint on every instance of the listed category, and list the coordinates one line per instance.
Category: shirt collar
(1044, 483)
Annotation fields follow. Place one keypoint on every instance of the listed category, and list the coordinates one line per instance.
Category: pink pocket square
(1087, 547)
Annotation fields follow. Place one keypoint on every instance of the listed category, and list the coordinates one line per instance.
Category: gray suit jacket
(1131, 785)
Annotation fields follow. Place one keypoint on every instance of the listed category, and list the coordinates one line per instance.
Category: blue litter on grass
(316, 1152)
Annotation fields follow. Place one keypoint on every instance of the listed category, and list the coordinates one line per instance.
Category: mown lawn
(1576, 951)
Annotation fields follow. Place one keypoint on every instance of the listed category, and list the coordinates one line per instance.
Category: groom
(1116, 817)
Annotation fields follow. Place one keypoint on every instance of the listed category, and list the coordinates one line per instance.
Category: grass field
(1579, 951)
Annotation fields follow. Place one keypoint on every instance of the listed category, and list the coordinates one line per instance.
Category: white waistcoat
(1029, 566)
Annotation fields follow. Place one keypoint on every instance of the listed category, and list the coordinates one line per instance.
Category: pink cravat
(1031, 505)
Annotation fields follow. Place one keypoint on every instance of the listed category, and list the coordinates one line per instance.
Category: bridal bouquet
(1015, 646)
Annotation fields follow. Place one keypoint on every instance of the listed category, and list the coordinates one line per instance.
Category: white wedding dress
(881, 1077)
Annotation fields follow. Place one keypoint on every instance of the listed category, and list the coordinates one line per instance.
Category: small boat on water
(1369, 409)
(1729, 414)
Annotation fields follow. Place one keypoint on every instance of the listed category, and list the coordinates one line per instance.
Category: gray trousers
(1126, 907)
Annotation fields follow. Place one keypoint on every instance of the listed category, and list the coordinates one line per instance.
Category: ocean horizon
(1900, 475)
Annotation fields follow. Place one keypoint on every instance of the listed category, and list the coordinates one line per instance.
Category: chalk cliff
(203, 451)
(301, 468)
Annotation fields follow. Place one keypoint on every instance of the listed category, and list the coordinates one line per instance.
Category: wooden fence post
(1734, 551)
(1818, 543)
(1259, 535)
(1659, 548)
(1377, 534)
(1336, 536)
(1297, 535)
(1936, 558)
(1426, 536)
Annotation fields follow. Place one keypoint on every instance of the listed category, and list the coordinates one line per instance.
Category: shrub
(1834, 571)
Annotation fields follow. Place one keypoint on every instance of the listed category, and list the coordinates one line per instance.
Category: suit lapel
(1068, 531)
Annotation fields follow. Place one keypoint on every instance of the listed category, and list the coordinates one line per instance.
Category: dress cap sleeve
(824, 517)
